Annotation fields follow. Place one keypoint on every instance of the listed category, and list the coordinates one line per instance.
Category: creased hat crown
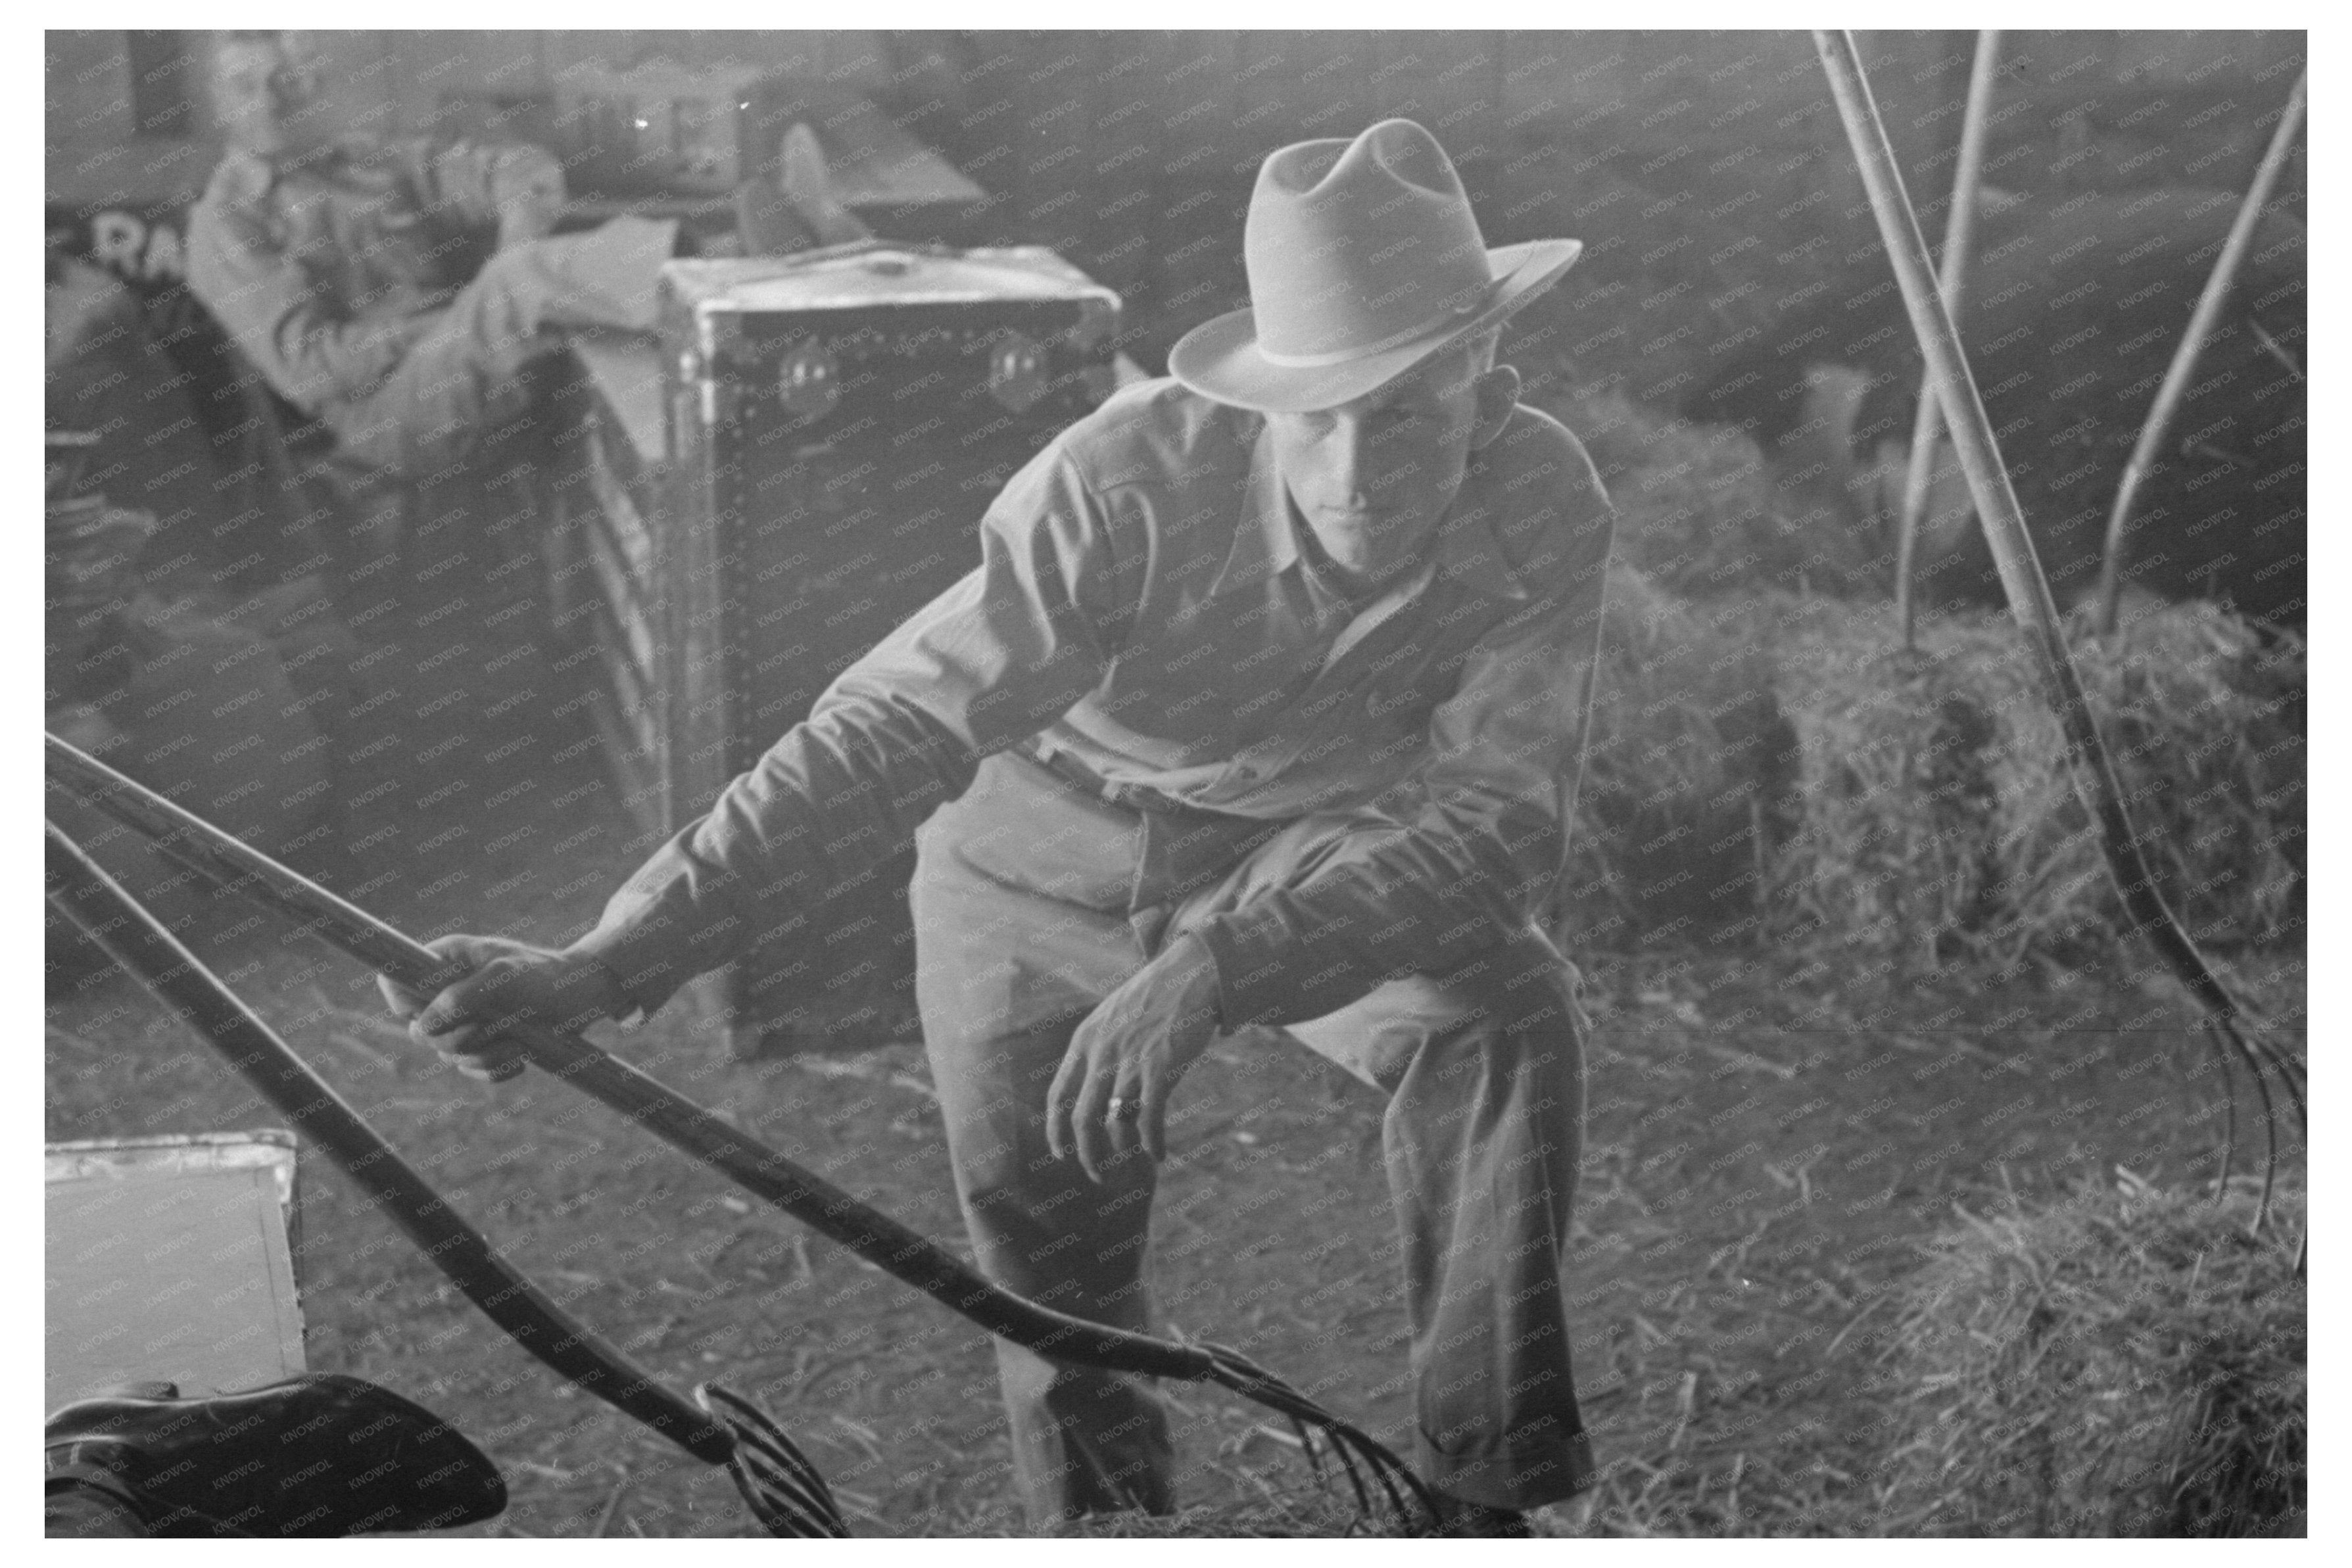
(1364, 259)
(1356, 246)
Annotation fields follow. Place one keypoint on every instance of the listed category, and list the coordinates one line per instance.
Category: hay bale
(1935, 817)
(1892, 848)
(1702, 513)
(2205, 721)
(2125, 1362)
(1685, 750)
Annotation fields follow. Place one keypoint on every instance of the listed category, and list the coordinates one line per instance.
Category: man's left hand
(1110, 1098)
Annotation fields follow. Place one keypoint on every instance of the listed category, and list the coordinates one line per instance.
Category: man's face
(266, 93)
(1374, 477)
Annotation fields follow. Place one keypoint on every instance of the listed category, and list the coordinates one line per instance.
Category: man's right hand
(468, 1022)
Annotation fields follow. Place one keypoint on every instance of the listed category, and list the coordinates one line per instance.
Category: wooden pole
(2174, 389)
(2090, 769)
(83, 892)
(1960, 242)
(2091, 766)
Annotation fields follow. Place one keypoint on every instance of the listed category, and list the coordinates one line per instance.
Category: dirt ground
(1770, 1140)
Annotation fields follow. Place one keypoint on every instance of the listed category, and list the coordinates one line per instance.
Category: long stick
(2168, 397)
(2093, 770)
(2090, 767)
(786, 1493)
(1960, 242)
(685, 1126)
(92, 899)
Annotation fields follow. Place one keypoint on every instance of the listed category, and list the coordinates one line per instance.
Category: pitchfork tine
(1353, 1446)
(753, 1430)
(775, 1477)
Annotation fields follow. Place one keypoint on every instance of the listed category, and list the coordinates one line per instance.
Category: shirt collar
(1266, 542)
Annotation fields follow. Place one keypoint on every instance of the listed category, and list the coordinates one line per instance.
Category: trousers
(463, 375)
(1033, 899)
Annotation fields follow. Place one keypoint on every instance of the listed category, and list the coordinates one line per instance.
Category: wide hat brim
(1220, 359)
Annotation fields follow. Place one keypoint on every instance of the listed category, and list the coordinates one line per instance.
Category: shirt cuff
(636, 959)
(1258, 953)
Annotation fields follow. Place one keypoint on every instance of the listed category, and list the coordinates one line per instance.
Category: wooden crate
(726, 571)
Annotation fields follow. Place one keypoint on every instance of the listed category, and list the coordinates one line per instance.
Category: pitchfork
(910, 1256)
(784, 1488)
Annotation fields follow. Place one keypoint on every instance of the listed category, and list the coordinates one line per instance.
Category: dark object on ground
(320, 1455)
(767, 1469)
(2127, 1361)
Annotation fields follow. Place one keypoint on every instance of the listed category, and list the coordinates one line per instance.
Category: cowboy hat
(1364, 259)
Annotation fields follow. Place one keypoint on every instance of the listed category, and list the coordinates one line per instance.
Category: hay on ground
(1308, 1514)
(2125, 1362)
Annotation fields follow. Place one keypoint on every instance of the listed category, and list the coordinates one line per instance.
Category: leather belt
(1130, 797)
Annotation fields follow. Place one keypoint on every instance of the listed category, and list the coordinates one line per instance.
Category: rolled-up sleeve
(1478, 846)
(988, 664)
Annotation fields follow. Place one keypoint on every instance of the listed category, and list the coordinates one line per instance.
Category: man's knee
(1518, 994)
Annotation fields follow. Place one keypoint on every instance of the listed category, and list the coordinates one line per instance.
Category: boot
(320, 1455)
(766, 223)
(807, 183)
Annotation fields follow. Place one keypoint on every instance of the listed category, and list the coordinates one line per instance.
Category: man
(1266, 706)
(336, 267)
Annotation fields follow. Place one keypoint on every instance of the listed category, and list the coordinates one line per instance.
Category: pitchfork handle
(136, 940)
(685, 1126)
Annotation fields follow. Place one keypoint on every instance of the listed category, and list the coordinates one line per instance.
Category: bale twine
(2127, 1361)
(1682, 759)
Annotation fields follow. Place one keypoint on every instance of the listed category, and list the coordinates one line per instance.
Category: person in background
(1265, 706)
(340, 268)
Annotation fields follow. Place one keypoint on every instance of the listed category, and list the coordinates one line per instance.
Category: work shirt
(326, 268)
(1150, 611)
